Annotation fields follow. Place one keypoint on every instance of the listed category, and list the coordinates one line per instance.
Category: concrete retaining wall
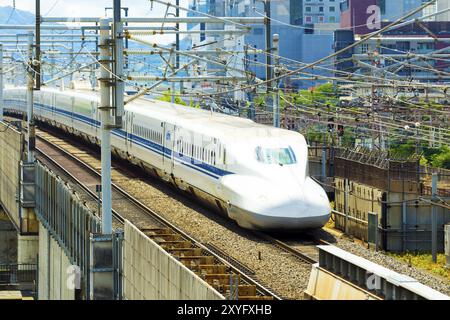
(150, 273)
(54, 269)
(27, 248)
(8, 240)
(10, 156)
(11, 151)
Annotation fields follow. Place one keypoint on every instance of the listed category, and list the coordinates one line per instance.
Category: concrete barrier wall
(150, 273)
(11, 146)
(362, 199)
(70, 222)
(54, 269)
(408, 222)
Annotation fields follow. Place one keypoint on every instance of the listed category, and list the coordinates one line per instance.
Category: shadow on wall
(8, 240)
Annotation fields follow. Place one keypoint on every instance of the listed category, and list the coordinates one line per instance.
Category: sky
(85, 8)
(96, 8)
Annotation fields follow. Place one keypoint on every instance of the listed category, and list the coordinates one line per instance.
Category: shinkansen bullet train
(254, 174)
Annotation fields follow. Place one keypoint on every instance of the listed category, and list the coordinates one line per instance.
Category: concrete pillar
(27, 249)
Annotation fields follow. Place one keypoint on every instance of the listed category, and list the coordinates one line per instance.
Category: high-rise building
(441, 5)
(283, 12)
(365, 16)
(299, 41)
(320, 11)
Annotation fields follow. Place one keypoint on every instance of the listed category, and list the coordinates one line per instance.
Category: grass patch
(424, 261)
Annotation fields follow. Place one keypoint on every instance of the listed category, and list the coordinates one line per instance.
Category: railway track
(304, 251)
(218, 267)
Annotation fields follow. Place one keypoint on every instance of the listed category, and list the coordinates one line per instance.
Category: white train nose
(311, 210)
(291, 217)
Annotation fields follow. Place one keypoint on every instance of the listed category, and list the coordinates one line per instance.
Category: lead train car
(256, 175)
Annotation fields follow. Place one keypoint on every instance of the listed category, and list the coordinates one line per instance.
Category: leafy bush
(167, 97)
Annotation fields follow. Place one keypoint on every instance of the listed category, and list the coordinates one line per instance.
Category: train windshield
(280, 156)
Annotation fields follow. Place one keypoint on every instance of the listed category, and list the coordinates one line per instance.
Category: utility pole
(1, 82)
(173, 63)
(267, 23)
(31, 139)
(434, 181)
(105, 114)
(119, 88)
(276, 94)
(373, 125)
(177, 40)
(37, 67)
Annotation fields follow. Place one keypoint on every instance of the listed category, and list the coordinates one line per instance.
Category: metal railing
(13, 274)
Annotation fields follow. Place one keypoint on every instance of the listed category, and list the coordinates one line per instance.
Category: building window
(202, 35)
(345, 5)
(321, 19)
(308, 19)
(332, 9)
(364, 48)
(320, 9)
(308, 9)
(332, 19)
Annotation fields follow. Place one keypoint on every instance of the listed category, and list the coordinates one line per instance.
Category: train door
(72, 123)
(127, 130)
(168, 147)
(94, 107)
(54, 114)
(130, 131)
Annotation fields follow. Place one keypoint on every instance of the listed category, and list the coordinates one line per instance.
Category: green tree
(167, 97)
(323, 94)
(441, 159)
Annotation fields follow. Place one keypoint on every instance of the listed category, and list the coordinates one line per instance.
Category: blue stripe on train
(147, 144)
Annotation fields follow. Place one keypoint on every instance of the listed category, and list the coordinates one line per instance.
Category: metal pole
(276, 95)
(30, 100)
(267, 23)
(324, 159)
(177, 36)
(434, 181)
(1, 82)
(119, 88)
(346, 204)
(37, 68)
(177, 41)
(105, 114)
(173, 63)
(404, 226)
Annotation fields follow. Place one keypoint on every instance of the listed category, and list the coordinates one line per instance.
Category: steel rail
(290, 249)
(245, 277)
